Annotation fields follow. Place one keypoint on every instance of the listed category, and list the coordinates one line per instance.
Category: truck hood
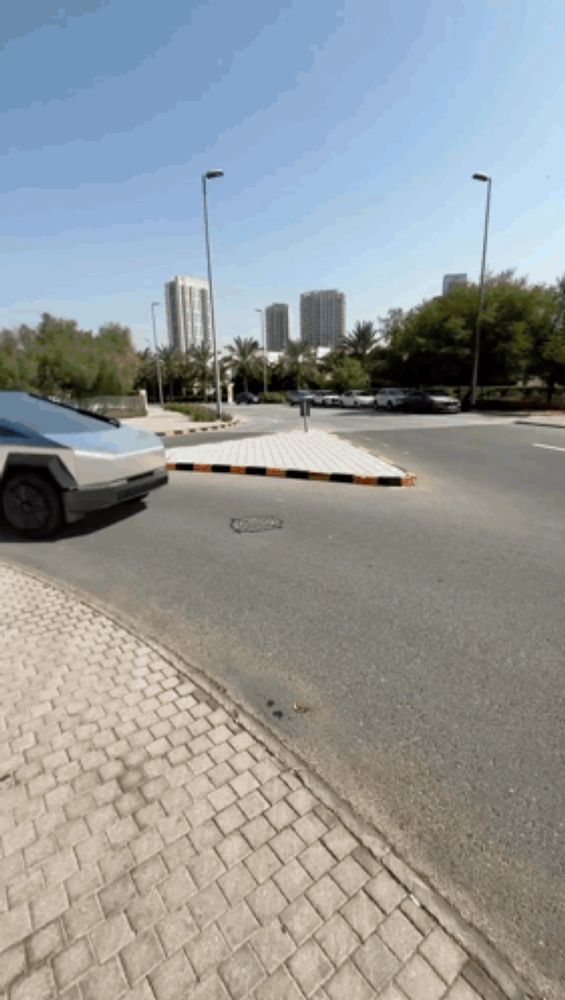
(112, 453)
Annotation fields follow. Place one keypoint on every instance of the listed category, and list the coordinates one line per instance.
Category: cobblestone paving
(153, 849)
(316, 451)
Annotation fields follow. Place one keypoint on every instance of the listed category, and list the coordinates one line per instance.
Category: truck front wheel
(31, 504)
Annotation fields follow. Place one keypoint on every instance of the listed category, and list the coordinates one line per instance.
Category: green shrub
(200, 414)
(273, 397)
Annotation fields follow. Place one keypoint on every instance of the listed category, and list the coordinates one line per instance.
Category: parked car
(319, 395)
(295, 396)
(58, 461)
(246, 398)
(331, 399)
(432, 401)
(390, 399)
(357, 397)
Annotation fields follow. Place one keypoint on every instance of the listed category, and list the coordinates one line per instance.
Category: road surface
(423, 628)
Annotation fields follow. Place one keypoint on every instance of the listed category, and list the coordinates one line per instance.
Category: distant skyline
(348, 131)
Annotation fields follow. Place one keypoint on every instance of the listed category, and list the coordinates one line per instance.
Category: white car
(357, 397)
(390, 399)
(57, 462)
(331, 399)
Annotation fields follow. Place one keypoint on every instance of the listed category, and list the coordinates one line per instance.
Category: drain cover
(252, 525)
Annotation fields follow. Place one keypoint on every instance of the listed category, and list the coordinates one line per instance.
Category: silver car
(390, 399)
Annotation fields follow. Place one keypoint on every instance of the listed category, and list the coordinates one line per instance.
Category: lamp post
(263, 337)
(485, 179)
(157, 358)
(208, 176)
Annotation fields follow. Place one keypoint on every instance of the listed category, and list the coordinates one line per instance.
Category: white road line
(550, 447)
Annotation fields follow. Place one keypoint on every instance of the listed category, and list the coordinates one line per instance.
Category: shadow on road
(89, 525)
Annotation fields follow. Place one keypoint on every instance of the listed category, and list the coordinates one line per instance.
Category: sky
(348, 131)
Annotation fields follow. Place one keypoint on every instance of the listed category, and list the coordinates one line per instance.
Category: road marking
(550, 447)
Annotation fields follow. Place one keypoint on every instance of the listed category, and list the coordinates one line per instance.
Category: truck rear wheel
(31, 504)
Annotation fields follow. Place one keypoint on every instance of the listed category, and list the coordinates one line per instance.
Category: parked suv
(57, 462)
(390, 399)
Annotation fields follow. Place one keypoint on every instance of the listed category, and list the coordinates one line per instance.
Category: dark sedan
(295, 396)
(433, 401)
(246, 398)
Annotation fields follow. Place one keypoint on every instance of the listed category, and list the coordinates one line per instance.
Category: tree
(349, 373)
(433, 343)
(200, 367)
(65, 357)
(18, 368)
(58, 358)
(244, 359)
(172, 362)
(548, 338)
(116, 359)
(299, 363)
(147, 373)
(361, 342)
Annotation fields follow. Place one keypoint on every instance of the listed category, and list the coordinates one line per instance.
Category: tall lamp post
(474, 383)
(154, 306)
(262, 311)
(209, 176)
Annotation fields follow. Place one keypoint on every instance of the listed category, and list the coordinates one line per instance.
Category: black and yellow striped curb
(319, 477)
(196, 430)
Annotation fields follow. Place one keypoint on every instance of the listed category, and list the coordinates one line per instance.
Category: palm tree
(147, 371)
(200, 358)
(361, 342)
(171, 366)
(299, 361)
(244, 358)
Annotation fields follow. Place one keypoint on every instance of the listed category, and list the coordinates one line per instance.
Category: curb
(196, 430)
(489, 971)
(540, 423)
(318, 477)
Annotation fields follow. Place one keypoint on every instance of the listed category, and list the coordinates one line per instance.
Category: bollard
(305, 412)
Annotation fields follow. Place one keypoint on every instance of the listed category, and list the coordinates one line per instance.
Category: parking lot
(270, 418)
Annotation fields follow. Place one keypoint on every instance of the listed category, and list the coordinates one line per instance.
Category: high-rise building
(451, 281)
(187, 302)
(322, 317)
(277, 326)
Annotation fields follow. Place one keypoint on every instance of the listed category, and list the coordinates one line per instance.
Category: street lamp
(262, 311)
(157, 358)
(208, 176)
(488, 181)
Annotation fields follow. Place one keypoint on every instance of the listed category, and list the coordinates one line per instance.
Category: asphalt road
(423, 628)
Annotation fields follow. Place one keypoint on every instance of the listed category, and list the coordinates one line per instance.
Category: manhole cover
(252, 525)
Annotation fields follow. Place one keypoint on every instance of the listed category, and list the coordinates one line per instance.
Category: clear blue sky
(348, 131)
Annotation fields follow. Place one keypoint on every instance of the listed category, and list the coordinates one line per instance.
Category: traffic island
(316, 456)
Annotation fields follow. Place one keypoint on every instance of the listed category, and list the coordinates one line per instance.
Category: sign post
(305, 412)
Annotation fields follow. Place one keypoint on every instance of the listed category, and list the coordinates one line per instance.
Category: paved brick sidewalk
(152, 848)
